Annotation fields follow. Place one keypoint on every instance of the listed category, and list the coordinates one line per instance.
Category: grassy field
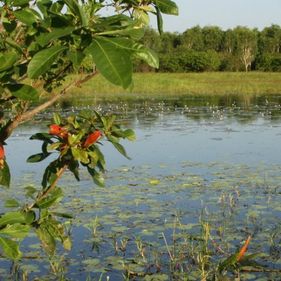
(170, 85)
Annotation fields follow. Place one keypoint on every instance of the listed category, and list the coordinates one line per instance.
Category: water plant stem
(167, 246)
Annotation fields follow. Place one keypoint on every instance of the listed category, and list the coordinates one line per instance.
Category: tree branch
(43, 195)
(13, 124)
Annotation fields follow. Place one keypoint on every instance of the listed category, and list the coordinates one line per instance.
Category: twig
(53, 185)
(43, 195)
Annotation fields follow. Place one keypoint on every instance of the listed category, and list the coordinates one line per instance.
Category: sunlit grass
(171, 85)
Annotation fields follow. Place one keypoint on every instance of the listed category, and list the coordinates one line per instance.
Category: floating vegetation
(173, 227)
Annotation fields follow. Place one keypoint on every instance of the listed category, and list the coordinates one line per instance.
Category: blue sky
(224, 13)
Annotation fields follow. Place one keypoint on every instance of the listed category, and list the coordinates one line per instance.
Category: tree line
(212, 49)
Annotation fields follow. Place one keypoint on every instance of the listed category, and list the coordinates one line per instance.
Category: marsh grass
(172, 85)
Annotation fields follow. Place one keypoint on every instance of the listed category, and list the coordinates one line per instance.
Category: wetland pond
(204, 175)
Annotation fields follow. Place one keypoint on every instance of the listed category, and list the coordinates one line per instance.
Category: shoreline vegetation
(174, 85)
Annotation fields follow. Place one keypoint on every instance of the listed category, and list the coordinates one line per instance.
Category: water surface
(193, 159)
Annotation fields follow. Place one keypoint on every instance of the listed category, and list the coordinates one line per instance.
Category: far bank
(173, 85)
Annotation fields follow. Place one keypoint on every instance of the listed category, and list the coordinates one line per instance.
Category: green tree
(212, 37)
(189, 61)
(228, 41)
(246, 45)
(169, 42)
(269, 62)
(193, 39)
(270, 39)
(41, 42)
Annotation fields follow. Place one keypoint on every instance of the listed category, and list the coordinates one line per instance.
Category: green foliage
(14, 226)
(269, 62)
(23, 92)
(11, 218)
(48, 230)
(10, 248)
(238, 49)
(41, 42)
(72, 145)
(43, 60)
(76, 141)
(47, 32)
(190, 61)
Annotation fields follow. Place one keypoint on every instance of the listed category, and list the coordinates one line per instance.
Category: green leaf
(138, 50)
(18, 231)
(97, 158)
(134, 32)
(47, 240)
(74, 139)
(77, 10)
(43, 60)
(76, 57)
(7, 60)
(228, 262)
(55, 33)
(21, 2)
(54, 197)
(23, 92)
(37, 157)
(10, 26)
(97, 177)
(167, 7)
(11, 203)
(12, 218)
(30, 217)
(27, 16)
(5, 176)
(10, 248)
(159, 20)
(42, 136)
(80, 155)
(30, 191)
(74, 168)
(14, 45)
(50, 230)
(44, 6)
(57, 118)
(129, 134)
(50, 174)
(142, 17)
(121, 149)
(113, 62)
(146, 54)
